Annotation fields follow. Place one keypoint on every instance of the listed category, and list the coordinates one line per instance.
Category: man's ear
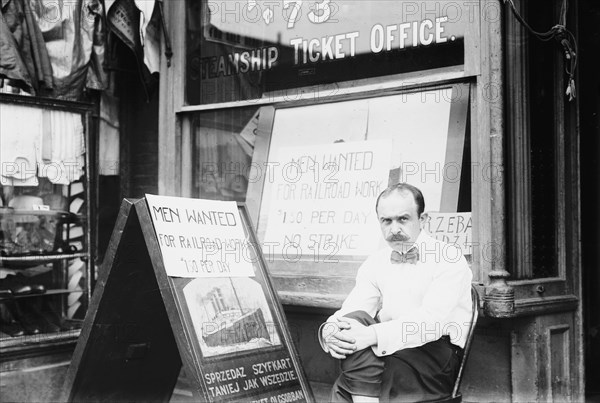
(424, 218)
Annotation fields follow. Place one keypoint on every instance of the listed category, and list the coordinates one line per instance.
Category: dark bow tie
(412, 257)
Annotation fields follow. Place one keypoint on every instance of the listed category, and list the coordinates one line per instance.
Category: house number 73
(320, 12)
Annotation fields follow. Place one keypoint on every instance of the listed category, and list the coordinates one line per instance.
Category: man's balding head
(404, 187)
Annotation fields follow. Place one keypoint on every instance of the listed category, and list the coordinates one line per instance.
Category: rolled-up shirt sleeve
(428, 322)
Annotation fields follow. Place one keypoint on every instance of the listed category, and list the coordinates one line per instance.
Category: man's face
(400, 223)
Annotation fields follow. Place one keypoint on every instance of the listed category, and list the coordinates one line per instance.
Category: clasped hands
(345, 336)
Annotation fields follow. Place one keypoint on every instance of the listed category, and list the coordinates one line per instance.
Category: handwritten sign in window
(322, 200)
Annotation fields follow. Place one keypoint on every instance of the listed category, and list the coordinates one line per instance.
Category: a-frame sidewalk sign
(184, 283)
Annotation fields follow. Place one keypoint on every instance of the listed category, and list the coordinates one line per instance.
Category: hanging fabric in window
(136, 25)
(74, 34)
(24, 59)
(53, 49)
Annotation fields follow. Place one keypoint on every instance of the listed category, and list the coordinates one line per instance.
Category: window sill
(523, 307)
(311, 299)
(17, 347)
(545, 305)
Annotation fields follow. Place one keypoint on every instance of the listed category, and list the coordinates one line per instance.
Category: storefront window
(314, 172)
(243, 50)
(44, 239)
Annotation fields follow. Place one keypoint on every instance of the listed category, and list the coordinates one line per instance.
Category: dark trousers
(420, 374)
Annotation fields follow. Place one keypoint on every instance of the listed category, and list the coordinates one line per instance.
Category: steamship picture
(230, 315)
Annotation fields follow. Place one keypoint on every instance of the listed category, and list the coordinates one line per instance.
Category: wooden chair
(456, 396)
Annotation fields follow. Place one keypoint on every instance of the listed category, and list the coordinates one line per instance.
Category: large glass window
(243, 49)
(311, 174)
(45, 279)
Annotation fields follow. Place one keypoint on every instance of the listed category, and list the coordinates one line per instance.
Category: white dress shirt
(416, 303)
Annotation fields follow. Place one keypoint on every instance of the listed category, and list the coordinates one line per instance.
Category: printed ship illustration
(233, 325)
(241, 328)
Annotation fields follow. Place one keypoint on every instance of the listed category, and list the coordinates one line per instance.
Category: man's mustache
(398, 238)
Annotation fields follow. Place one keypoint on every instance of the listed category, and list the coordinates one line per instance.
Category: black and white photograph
(281, 201)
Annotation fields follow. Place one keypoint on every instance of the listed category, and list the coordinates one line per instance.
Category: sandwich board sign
(184, 283)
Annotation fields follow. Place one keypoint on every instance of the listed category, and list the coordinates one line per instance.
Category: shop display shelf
(15, 261)
(53, 291)
(16, 345)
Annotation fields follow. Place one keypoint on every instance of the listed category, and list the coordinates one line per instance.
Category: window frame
(488, 143)
(545, 294)
(320, 287)
(23, 345)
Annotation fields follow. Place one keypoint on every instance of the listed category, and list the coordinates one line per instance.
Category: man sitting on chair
(400, 332)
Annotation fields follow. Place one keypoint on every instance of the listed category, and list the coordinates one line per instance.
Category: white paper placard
(200, 238)
(452, 228)
(323, 200)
